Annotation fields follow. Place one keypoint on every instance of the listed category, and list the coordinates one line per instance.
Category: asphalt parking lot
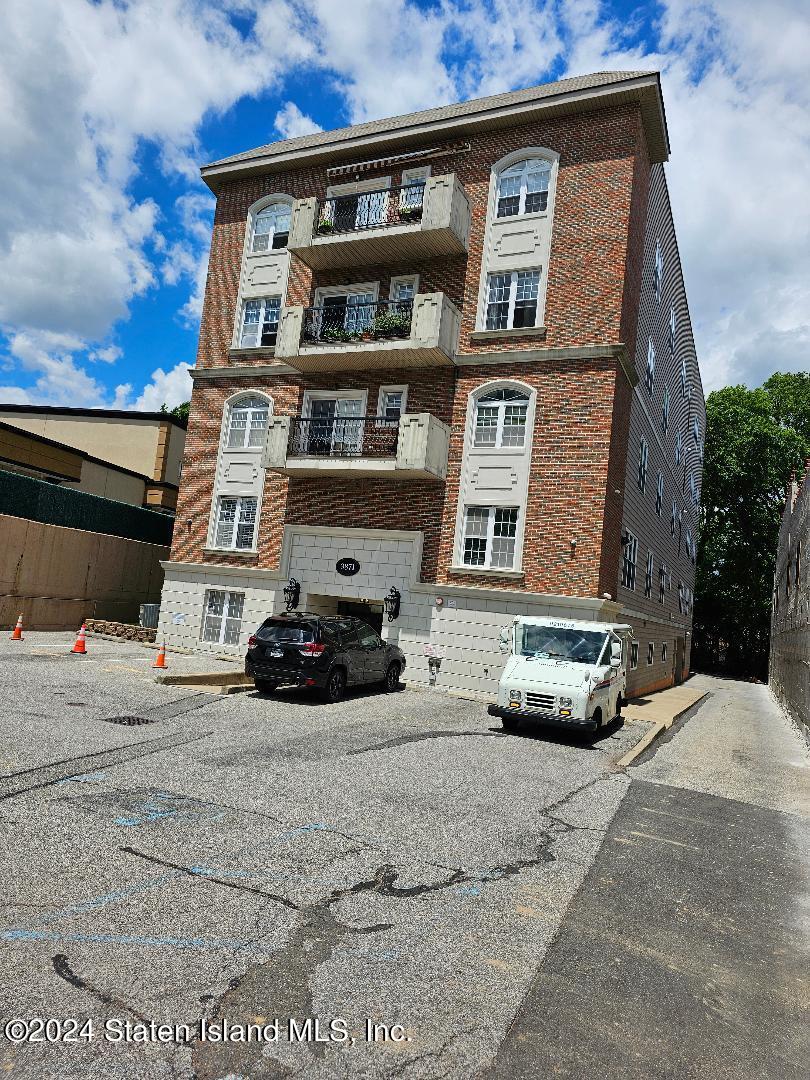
(394, 859)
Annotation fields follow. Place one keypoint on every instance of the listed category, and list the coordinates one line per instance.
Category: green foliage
(749, 456)
(179, 411)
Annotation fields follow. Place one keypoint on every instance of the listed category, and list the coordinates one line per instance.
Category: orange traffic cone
(161, 657)
(80, 646)
(17, 634)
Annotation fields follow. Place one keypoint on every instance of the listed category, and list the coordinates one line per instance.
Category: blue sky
(104, 223)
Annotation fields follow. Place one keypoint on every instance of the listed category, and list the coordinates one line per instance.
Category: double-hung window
(693, 489)
(271, 228)
(523, 188)
(672, 326)
(512, 299)
(665, 411)
(392, 404)
(633, 655)
(248, 423)
(649, 377)
(658, 271)
(643, 455)
(629, 556)
(651, 652)
(673, 521)
(662, 582)
(659, 493)
(648, 577)
(683, 376)
(222, 617)
(260, 322)
(500, 418)
(236, 522)
(489, 537)
(678, 447)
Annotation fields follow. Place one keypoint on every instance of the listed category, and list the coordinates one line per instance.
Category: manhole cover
(127, 721)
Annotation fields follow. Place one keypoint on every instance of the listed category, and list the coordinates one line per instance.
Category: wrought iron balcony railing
(344, 436)
(354, 322)
(370, 209)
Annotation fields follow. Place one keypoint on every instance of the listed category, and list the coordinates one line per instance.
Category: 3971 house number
(347, 567)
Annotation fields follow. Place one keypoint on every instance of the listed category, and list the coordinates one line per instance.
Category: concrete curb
(658, 728)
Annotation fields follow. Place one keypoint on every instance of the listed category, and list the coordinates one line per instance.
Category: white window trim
(649, 371)
(421, 172)
(400, 278)
(658, 271)
(510, 318)
(501, 406)
(403, 389)
(650, 653)
(356, 187)
(214, 546)
(249, 258)
(230, 405)
(633, 655)
(225, 616)
(492, 508)
(631, 545)
(241, 329)
(643, 465)
(330, 395)
(347, 290)
(492, 205)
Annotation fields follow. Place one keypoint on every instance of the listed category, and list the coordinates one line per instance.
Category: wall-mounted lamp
(292, 593)
(439, 601)
(391, 603)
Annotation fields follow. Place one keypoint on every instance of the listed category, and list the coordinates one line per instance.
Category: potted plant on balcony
(393, 324)
(410, 213)
(325, 225)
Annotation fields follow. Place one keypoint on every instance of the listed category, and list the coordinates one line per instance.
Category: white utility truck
(563, 672)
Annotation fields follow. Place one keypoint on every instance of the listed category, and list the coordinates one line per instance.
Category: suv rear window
(297, 634)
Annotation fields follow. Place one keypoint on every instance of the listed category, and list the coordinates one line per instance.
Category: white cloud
(290, 122)
(77, 246)
(167, 388)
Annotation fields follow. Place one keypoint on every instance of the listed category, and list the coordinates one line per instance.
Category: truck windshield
(552, 642)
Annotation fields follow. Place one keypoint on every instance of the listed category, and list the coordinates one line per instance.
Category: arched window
(247, 422)
(271, 227)
(523, 187)
(500, 418)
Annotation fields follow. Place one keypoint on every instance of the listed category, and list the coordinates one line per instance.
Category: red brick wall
(579, 446)
(586, 292)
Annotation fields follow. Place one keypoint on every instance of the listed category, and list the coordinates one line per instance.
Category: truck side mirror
(615, 652)
(504, 639)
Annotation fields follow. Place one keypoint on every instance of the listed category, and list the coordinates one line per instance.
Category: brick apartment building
(451, 352)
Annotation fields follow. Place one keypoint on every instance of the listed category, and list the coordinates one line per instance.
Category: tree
(750, 453)
(179, 411)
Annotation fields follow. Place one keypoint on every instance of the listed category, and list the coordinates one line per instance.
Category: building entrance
(370, 612)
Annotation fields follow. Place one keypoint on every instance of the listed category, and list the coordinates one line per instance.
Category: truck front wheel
(509, 723)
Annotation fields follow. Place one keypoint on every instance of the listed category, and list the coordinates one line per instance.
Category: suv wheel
(335, 686)
(392, 678)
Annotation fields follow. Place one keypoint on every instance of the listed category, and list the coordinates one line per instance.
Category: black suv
(329, 652)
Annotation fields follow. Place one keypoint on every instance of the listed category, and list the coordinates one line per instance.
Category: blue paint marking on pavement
(85, 778)
(468, 890)
(312, 827)
(120, 939)
(111, 897)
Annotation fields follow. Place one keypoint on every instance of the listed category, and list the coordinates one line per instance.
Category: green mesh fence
(22, 496)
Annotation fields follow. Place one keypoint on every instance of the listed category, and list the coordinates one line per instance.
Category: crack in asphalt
(64, 971)
(403, 740)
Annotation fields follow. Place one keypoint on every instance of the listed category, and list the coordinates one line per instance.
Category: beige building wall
(97, 479)
(57, 577)
(132, 444)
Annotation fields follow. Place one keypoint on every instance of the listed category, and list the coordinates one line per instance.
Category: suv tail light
(252, 641)
(311, 649)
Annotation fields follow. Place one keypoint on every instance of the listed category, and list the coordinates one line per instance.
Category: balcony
(389, 225)
(412, 448)
(350, 336)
